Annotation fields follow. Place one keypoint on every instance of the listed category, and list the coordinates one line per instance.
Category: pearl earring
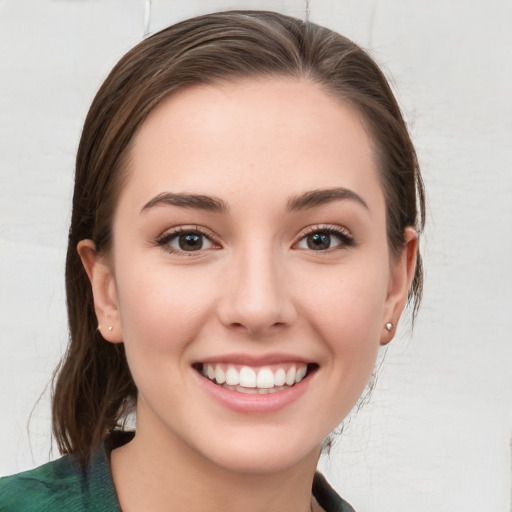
(389, 326)
(110, 327)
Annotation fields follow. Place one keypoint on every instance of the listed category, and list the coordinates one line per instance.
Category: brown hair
(93, 388)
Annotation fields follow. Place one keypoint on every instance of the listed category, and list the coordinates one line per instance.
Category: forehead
(257, 136)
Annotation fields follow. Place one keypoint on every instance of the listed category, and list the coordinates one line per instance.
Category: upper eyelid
(176, 230)
(342, 230)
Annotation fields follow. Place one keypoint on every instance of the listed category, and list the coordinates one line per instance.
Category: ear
(104, 291)
(403, 267)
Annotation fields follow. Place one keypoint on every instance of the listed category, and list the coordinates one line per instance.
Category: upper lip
(254, 360)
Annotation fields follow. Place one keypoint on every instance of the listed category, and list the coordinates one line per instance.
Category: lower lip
(251, 404)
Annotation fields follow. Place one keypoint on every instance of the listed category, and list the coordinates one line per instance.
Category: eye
(325, 238)
(183, 240)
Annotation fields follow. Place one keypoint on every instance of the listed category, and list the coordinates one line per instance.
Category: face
(250, 278)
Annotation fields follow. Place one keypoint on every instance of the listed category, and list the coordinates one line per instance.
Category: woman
(244, 237)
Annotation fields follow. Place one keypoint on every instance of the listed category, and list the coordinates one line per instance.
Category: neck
(160, 474)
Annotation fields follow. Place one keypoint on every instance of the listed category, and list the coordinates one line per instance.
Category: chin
(257, 454)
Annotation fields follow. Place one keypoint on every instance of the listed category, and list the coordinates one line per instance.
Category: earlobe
(103, 289)
(402, 273)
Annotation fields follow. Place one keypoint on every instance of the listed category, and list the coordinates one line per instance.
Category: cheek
(349, 300)
(345, 313)
(162, 311)
(162, 306)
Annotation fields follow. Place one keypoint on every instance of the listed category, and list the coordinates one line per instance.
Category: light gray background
(436, 435)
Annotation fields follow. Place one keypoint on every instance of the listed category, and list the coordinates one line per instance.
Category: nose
(257, 296)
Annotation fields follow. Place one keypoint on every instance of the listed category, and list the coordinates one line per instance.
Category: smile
(255, 380)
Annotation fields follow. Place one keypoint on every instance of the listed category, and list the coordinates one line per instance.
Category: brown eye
(325, 238)
(319, 241)
(190, 242)
(184, 241)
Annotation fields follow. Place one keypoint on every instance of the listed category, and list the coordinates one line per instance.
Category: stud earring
(389, 326)
(110, 327)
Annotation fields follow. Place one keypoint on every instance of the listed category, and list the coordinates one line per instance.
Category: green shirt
(61, 486)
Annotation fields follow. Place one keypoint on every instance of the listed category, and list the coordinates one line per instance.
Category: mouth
(256, 380)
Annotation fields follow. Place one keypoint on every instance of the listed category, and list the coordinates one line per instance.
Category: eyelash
(344, 236)
(165, 240)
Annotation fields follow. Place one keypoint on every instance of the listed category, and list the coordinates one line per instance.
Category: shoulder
(327, 497)
(43, 488)
(60, 486)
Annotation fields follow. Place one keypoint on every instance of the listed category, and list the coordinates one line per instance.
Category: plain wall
(436, 433)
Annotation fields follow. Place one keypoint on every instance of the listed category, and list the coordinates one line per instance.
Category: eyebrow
(303, 201)
(321, 197)
(197, 201)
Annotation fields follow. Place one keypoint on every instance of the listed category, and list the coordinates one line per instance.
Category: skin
(256, 289)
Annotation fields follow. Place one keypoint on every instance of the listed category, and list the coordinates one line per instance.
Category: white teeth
(232, 377)
(279, 377)
(301, 373)
(265, 379)
(247, 377)
(290, 376)
(251, 380)
(220, 376)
